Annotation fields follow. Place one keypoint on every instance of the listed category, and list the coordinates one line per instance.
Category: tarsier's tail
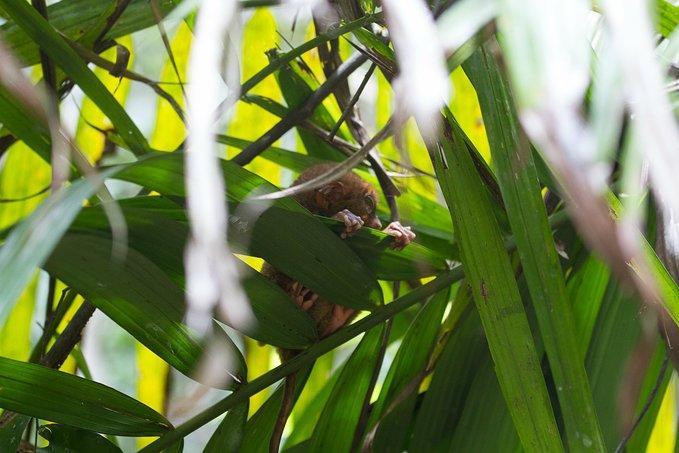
(286, 408)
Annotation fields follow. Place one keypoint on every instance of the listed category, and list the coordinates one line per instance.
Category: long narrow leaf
(496, 294)
(63, 398)
(161, 239)
(135, 293)
(259, 428)
(518, 180)
(228, 436)
(449, 389)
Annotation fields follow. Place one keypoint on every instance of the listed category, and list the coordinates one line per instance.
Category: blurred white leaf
(547, 49)
(463, 19)
(608, 104)
(211, 276)
(656, 130)
(422, 86)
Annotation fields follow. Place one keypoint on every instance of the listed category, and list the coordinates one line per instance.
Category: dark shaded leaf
(449, 388)
(410, 362)
(10, 434)
(337, 423)
(67, 439)
(228, 436)
(153, 233)
(63, 398)
(135, 294)
(303, 248)
(259, 428)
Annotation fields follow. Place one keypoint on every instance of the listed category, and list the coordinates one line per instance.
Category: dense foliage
(536, 310)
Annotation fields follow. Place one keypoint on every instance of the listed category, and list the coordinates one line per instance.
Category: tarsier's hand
(352, 222)
(402, 235)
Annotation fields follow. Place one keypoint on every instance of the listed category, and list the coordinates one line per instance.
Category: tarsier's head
(348, 192)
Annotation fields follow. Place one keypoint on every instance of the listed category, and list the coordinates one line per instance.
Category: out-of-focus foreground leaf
(31, 242)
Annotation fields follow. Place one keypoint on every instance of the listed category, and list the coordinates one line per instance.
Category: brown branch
(330, 59)
(287, 404)
(51, 291)
(341, 145)
(71, 335)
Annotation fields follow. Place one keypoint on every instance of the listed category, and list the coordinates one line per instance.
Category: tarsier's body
(353, 201)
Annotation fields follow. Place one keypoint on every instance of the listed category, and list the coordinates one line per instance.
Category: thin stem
(49, 303)
(301, 113)
(647, 405)
(166, 42)
(121, 6)
(343, 146)
(336, 171)
(331, 59)
(27, 197)
(307, 356)
(354, 99)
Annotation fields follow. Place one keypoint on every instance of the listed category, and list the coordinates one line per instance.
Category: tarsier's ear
(329, 193)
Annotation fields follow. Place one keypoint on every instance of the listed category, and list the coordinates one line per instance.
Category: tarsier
(353, 201)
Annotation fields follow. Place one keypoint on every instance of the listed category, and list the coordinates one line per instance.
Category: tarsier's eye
(370, 203)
